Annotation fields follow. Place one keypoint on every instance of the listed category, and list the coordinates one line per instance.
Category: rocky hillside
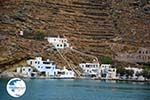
(96, 27)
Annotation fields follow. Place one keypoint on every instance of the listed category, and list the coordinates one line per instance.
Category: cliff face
(96, 27)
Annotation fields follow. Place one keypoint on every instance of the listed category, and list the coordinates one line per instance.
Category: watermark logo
(16, 87)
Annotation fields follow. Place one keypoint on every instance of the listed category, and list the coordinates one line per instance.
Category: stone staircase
(70, 65)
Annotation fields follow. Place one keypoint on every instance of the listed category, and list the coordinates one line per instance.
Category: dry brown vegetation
(97, 27)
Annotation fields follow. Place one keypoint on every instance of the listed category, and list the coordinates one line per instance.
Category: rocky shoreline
(10, 75)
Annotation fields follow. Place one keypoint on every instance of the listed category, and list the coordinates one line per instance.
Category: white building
(65, 73)
(21, 33)
(107, 71)
(95, 69)
(136, 70)
(25, 71)
(50, 69)
(111, 73)
(59, 43)
(105, 68)
(90, 69)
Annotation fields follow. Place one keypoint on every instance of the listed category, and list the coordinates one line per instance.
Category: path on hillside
(72, 66)
(82, 53)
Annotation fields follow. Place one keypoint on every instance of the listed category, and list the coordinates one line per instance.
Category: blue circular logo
(16, 87)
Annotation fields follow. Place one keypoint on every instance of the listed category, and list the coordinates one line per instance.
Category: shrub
(146, 72)
(129, 73)
(121, 71)
(124, 72)
(40, 35)
(106, 60)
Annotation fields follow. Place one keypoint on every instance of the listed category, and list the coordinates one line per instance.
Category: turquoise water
(39, 89)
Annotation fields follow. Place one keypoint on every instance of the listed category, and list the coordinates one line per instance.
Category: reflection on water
(39, 89)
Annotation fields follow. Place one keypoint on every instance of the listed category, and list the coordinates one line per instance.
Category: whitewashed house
(107, 71)
(135, 70)
(95, 69)
(59, 43)
(105, 68)
(90, 69)
(111, 73)
(65, 73)
(25, 71)
(50, 68)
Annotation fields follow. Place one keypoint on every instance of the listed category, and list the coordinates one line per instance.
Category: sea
(70, 89)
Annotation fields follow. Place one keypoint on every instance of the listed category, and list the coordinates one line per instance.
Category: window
(48, 67)
(53, 63)
(93, 66)
(57, 45)
(139, 51)
(63, 73)
(61, 45)
(30, 62)
(38, 66)
(143, 52)
(82, 66)
(65, 44)
(45, 62)
(38, 62)
(35, 62)
(87, 66)
(29, 70)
